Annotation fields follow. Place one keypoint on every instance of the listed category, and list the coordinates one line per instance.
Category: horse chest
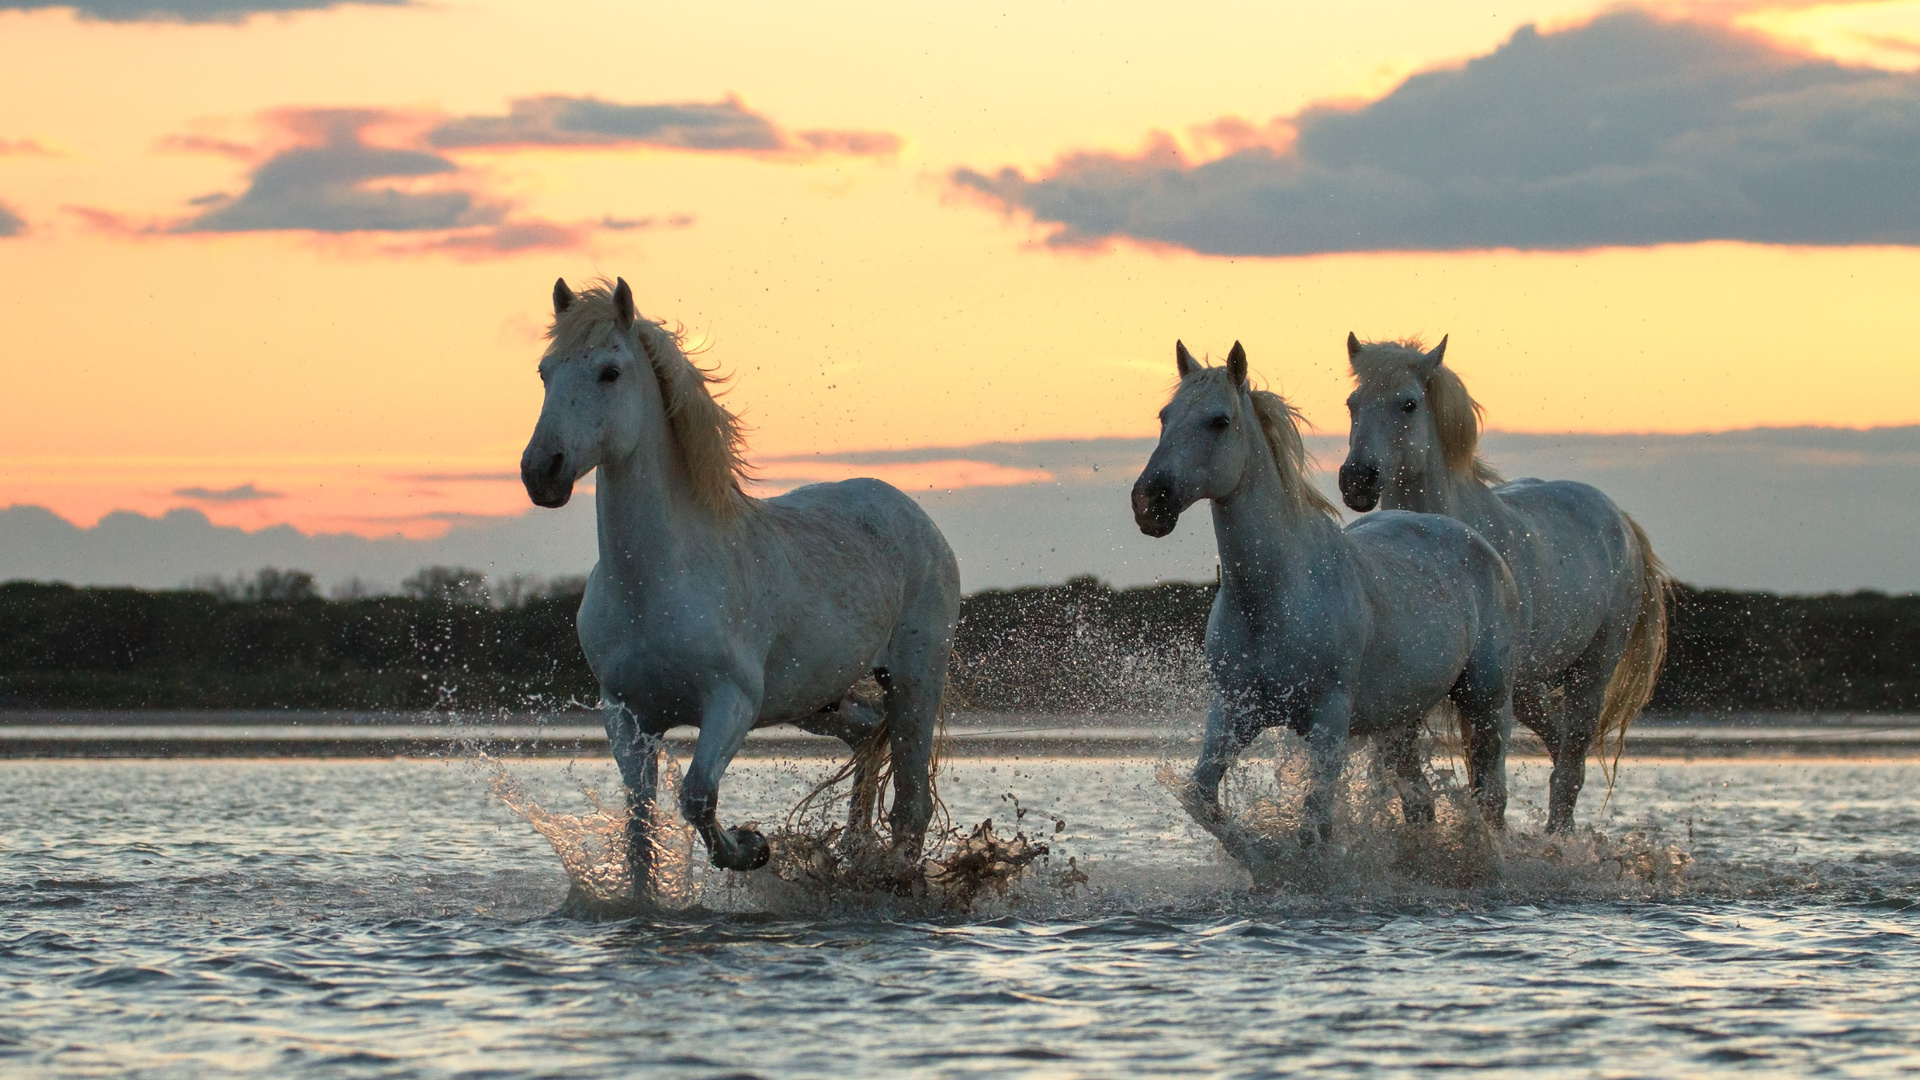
(661, 653)
(1281, 653)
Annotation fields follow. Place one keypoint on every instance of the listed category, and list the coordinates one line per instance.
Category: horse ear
(1353, 345)
(623, 303)
(1183, 360)
(1237, 365)
(562, 296)
(1430, 361)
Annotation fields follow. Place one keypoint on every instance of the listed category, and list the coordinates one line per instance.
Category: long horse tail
(1631, 686)
(870, 766)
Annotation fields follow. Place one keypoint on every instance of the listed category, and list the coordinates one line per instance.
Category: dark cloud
(11, 224)
(333, 185)
(243, 493)
(192, 11)
(1625, 131)
(556, 120)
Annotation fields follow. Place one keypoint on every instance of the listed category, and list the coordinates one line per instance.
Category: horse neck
(1441, 490)
(650, 524)
(1267, 539)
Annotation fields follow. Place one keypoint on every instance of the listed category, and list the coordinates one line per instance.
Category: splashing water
(815, 865)
(593, 845)
(1377, 854)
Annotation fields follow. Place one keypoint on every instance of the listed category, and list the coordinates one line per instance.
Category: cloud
(243, 493)
(338, 182)
(24, 148)
(11, 224)
(726, 126)
(362, 172)
(190, 11)
(1628, 130)
(207, 144)
(505, 238)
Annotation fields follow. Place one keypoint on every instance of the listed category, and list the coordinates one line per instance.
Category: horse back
(1576, 561)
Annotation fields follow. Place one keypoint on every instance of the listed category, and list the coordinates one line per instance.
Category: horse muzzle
(548, 478)
(1154, 509)
(1359, 486)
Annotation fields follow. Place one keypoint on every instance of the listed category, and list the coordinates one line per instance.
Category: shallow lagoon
(393, 918)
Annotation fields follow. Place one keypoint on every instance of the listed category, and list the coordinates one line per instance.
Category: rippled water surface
(393, 918)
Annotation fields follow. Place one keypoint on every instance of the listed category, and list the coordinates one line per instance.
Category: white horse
(1331, 632)
(725, 612)
(1592, 593)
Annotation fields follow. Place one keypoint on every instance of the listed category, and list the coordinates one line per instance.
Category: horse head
(1395, 436)
(597, 386)
(1203, 450)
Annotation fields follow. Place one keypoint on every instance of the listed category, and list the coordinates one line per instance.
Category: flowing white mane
(1457, 417)
(711, 440)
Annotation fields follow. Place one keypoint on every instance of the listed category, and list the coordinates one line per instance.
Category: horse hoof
(752, 849)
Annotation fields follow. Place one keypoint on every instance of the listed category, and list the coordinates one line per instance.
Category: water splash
(817, 865)
(1377, 854)
(593, 845)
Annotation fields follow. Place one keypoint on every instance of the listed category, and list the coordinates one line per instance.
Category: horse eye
(1409, 405)
(1220, 423)
(609, 373)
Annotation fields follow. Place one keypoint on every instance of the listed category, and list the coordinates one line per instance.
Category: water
(393, 918)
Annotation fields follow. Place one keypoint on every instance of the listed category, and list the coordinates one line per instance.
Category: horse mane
(1456, 416)
(1280, 423)
(712, 441)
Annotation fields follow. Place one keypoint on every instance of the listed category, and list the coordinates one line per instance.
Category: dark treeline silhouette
(457, 641)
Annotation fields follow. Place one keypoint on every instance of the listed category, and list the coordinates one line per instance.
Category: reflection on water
(395, 918)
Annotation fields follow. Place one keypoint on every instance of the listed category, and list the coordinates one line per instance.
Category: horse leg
(724, 724)
(1484, 696)
(637, 753)
(913, 715)
(1485, 730)
(1402, 752)
(1228, 733)
(1586, 692)
(1327, 731)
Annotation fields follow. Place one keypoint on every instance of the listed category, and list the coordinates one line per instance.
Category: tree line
(452, 641)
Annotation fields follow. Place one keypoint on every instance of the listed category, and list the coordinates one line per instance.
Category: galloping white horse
(1593, 596)
(711, 608)
(1332, 632)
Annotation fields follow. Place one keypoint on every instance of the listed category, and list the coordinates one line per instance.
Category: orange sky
(861, 300)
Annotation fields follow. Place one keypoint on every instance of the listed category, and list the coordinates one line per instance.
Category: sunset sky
(294, 266)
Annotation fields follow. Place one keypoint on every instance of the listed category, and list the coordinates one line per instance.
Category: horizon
(1750, 509)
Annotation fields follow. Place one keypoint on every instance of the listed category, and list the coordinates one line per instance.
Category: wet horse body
(711, 609)
(1593, 617)
(1330, 632)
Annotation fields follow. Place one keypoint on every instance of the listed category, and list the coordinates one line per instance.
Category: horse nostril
(556, 466)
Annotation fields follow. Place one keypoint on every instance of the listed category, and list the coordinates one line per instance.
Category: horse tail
(871, 768)
(1631, 686)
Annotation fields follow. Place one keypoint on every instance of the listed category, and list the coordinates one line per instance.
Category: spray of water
(1377, 854)
(592, 845)
(818, 863)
